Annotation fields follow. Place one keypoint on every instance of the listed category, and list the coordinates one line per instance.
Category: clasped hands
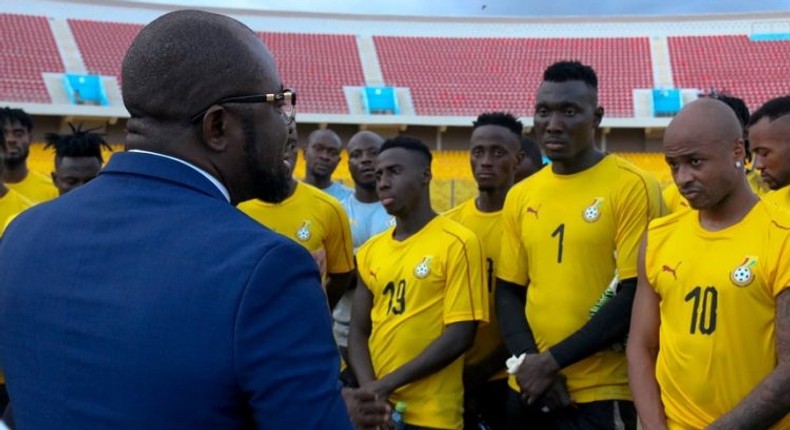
(541, 383)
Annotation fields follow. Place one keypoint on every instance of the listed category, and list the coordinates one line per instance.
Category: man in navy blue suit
(144, 299)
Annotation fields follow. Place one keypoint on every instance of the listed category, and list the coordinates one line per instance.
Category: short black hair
(408, 143)
(8, 114)
(563, 71)
(532, 151)
(773, 109)
(78, 143)
(503, 119)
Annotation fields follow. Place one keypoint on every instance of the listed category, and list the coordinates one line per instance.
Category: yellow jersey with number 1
(420, 285)
(568, 236)
(718, 305)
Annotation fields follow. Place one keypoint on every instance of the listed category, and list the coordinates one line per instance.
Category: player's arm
(336, 286)
(359, 334)
(513, 325)
(297, 369)
(642, 352)
(769, 401)
(455, 340)
(340, 255)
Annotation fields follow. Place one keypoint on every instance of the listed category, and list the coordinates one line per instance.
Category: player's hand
(366, 409)
(319, 255)
(379, 388)
(557, 396)
(535, 375)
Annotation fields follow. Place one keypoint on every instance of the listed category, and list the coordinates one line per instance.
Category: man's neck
(583, 161)
(365, 195)
(3, 190)
(320, 183)
(491, 200)
(731, 210)
(15, 175)
(409, 224)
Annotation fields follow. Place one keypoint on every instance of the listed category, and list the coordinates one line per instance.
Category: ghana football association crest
(304, 234)
(743, 275)
(593, 212)
(423, 269)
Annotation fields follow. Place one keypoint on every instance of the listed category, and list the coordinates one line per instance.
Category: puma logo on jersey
(593, 212)
(743, 275)
(423, 269)
(671, 270)
(533, 211)
(304, 234)
(373, 275)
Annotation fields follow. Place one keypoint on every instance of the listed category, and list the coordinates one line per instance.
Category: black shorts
(601, 415)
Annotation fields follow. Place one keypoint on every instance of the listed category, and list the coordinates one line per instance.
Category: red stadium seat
(28, 49)
(753, 71)
(466, 76)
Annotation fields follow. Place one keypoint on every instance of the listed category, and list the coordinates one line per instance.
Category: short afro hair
(564, 71)
(772, 109)
(502, 119)
(409, 143)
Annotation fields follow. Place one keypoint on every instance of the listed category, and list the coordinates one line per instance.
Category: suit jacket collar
(161, 168)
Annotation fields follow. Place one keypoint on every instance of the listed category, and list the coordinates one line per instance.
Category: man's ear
(739, 151)
(519, 158)
(427, 175)
(214, 127)
(598, 115)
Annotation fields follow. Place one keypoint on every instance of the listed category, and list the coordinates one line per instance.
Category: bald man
(144, 299)
(709, 345)
(366, 214)
(321, 156)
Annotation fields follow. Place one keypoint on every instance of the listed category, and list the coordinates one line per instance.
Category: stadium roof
(491, 8)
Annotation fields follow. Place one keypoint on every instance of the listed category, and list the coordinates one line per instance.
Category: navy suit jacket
(144, 300)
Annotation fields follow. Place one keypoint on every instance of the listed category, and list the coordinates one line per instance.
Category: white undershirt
(213, 180)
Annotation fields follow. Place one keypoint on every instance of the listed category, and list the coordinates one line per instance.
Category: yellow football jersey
(36, 187)
(488, 228)
(420, 285)
(312, 218)
(568, 236)
(11, 204)
(781, 197)
(718, 304)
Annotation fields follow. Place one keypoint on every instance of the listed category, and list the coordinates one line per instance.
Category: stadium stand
(317, 66)
(28, 49)
(752, 70)
(103, 44)
(505, 71)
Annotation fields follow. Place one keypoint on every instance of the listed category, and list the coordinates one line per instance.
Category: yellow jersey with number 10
(567, 236)
(718, 305)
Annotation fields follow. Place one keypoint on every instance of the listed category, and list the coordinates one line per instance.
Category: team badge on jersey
(593, 212)
(304, 233)
(423, 269)
(743, 274)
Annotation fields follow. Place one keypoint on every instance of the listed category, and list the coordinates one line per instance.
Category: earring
(738, 165)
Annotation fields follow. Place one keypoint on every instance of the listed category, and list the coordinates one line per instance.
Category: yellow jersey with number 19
(568, 236)
(718, 306)
(420, 285)
(488, 228)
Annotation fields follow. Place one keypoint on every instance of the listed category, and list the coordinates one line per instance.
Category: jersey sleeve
(339, 248)
(781, 246)
(512, 258)
(639, 202)
(466, 293)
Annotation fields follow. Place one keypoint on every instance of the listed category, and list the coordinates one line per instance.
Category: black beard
(14, 163)
(273, 185)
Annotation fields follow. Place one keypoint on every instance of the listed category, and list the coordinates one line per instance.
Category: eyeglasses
(287, 108)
